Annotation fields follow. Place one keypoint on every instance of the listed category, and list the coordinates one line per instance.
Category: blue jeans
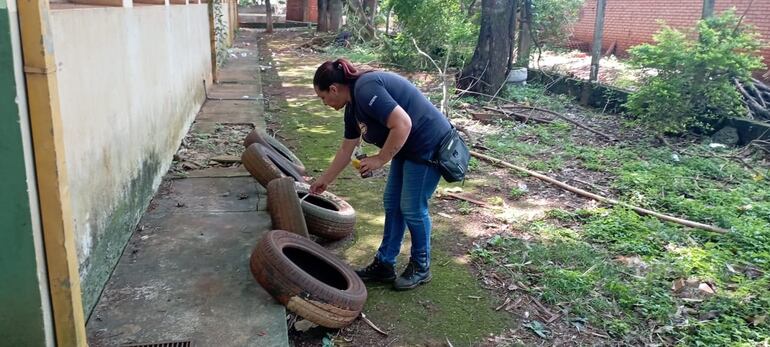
(410, 186)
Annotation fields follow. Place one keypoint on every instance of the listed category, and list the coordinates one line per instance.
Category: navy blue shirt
(375, 95)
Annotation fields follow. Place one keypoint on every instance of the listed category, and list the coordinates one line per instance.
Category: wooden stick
(369, 323)
(754, 106)
(460, 197)
(579, 191)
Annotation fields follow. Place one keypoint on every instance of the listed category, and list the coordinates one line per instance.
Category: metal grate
(184, 343)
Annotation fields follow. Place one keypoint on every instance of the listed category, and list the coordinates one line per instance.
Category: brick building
(302, 10)
(631, 22)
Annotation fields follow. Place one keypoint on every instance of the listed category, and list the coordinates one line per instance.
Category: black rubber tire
(265, 165)
(308, 279)
(284, 207)
(260, 136)
(326, 215)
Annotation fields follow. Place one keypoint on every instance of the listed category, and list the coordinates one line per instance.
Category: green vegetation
(614, 269)
(534, 95)
(552, 18)
(693, 84)
(360, 52)
(605, 268)
(451, 28)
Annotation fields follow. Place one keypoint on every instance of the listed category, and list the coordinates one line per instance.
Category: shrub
(693, 73)
(436, 25)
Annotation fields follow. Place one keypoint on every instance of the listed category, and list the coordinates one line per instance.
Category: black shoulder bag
(452, 157)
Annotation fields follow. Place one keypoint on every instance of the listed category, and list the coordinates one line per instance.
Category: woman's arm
(341, 160)
(400, 125)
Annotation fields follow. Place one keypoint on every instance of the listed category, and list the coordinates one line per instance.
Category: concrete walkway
(184, 274)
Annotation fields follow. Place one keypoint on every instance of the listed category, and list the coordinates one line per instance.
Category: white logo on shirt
(371, 102)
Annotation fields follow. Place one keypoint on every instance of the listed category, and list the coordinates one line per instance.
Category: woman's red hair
(339, 71)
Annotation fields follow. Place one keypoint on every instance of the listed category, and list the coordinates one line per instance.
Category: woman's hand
(319, 185)
(370, 164)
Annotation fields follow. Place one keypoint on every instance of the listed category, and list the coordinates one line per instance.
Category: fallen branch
(761, 85)
(369, 323)
(584, 193)
(561, 116)
(518, 116)
(460, 197)
(507, 300)
(755, 107)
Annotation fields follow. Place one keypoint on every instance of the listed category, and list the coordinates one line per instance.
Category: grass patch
(576, 268)
(534, 95)
(582, 269)
(358, 53)
(452, 305)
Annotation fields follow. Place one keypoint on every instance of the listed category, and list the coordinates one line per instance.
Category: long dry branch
(600, 198)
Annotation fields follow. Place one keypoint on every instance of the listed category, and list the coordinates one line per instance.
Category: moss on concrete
(118, 228)
(453, 305)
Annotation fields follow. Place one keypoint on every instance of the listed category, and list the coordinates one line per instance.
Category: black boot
(413, 276)
(377, 271)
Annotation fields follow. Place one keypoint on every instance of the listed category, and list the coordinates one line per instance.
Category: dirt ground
(612, 71)
(465, 223)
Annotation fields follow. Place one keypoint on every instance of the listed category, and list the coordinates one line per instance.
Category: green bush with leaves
(693, 73)
(438, 26)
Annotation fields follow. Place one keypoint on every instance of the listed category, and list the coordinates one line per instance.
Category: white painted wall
(130, 84)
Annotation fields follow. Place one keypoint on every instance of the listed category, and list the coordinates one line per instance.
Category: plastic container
(355, 161)
(517, 76)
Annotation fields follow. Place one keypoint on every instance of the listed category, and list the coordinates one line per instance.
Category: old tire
(307, 279)
(260, 136)
(265, 165)
(284, 207)
(326, 215)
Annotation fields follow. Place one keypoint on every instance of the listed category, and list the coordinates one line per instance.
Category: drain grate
(184, 343)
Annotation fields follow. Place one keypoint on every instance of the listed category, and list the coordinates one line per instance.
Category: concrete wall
(631, 22)
(130, 82)
(25, 309)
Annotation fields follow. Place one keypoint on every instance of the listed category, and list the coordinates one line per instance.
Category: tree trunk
(335, 15)
(323, 16)
(708, 8)
(269, 12)
(363, 19)
(370, 7)
(489, 66)
(596, 52)
(596, 48)
(512, 29)
(387, 20)
(525, 37)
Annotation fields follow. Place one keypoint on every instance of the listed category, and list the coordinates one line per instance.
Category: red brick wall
(631, 22)
(295, 12)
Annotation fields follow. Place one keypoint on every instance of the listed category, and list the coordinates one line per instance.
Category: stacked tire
(299, 273)
(307, 279)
